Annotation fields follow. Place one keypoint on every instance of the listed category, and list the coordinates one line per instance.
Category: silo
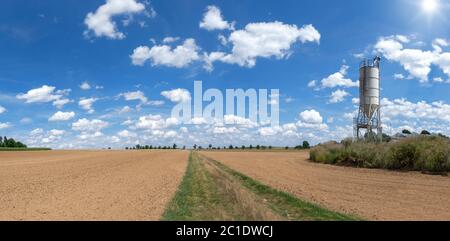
(369, 115)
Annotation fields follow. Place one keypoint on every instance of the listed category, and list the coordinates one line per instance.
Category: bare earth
(88, 185)
(370, 194)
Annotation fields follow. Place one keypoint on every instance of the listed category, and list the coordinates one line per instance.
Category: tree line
(304, 145)
(11, 143)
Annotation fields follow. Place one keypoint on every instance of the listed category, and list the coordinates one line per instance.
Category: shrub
(423, 153)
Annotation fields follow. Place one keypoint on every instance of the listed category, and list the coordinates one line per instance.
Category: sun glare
(430, 6)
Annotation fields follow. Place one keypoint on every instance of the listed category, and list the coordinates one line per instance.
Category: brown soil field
(88, 185)
(366, 193)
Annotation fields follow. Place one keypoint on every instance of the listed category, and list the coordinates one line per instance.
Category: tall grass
(423, 153)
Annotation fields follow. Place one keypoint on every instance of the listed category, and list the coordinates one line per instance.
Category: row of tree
(11, 143)
(305, 145)
(151, 147)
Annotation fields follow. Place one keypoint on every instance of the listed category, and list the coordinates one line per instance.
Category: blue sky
(53, 47)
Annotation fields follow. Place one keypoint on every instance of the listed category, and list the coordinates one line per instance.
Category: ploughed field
(88, 185)
(369, 194)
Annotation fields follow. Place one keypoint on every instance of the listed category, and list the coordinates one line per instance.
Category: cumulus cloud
(416, 62)
(62, 116)
(46, 94)
(61, 103)
(136, 95)
(177, 95)
(338, 79)
(2, 109)
(168, 40)
(213, 20)
(85, 86)
(164, 55)
(85, 125)
(154, 122)
(4, 125)
(40, 95)
(399, 76)
(338, 96)
(86, 104)
(101, 22)
(126, 134)
(263, 40)
(311, 117)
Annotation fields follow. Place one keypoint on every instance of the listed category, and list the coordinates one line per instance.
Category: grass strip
(284, 203)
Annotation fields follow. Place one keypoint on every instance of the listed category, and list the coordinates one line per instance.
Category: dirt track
(88, 185)
(370, 194)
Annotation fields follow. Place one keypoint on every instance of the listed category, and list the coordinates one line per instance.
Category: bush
(424, 153)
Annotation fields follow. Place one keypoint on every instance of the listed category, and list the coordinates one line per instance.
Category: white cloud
(311, 117)
(46, 94)
(136, 95)
(101, 22)
(312, 83)
(40, 95)
(125, 109)
(338, 96)
(62, 116)
(177, 95)
(239, 121)
(399, 76)
(85, 86)
(338, 79)
(164, 55)
(213, 20)
(415, 61)
(55, 132)
(168, 40)
(151, 122)
(86, 104)
(126, 134)
(61, 102)
(140, 55)
(4, 125)
(263, 40)
(85, 125)
(2, 109)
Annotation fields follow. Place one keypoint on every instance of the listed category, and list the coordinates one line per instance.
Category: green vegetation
(24, 149)
(430, 154)
(212, 191)
(11, 143)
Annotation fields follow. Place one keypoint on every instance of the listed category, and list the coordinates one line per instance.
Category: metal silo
(369, 115)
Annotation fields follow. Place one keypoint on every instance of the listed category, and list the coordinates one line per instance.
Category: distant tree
(443, 136)
(109, 148)
(243, 147)
(126, 148)
(184, 147)
(174, 146)
(270, 147)
(231, 147)
(150, 147)
(287, 148)
(195, 146)
(425, 133)
(200, 148)
(250, 147)
(258, 147)
(263, 147)
(306, 145)
(406, 132)
(386, 138)
(210, 146)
